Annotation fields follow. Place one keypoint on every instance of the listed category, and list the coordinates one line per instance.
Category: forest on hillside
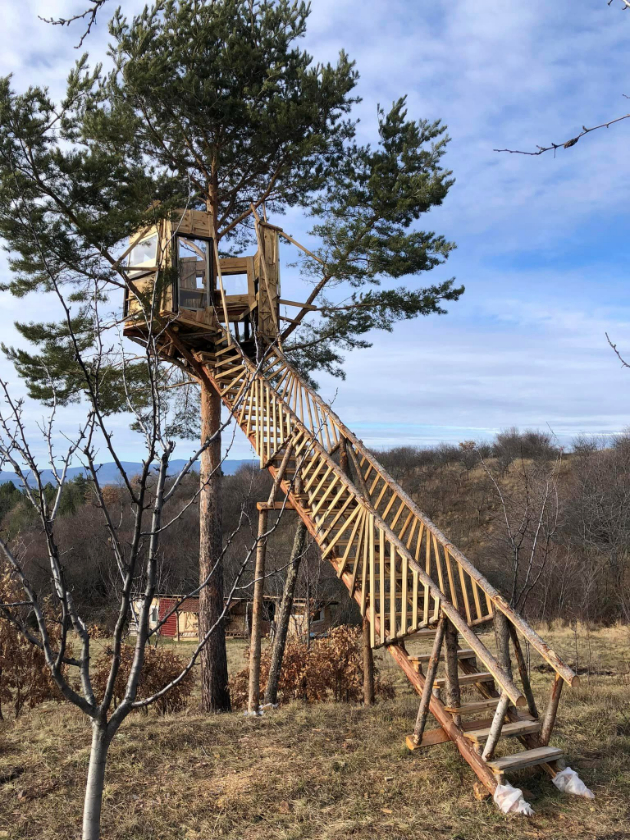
(549, 528)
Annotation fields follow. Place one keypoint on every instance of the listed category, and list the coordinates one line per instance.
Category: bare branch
(568, 143)
(614, 347)
(90, 14)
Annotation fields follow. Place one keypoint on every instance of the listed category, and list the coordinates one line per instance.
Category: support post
(255, 645)
(257, 607)
(550, 713)
(522, 669)
(453, 693)
(496, 727)
(368, 664)
(502, 635)
(286, 608)
(432, 667)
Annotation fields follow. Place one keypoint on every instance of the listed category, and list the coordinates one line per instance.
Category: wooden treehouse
(406, 576)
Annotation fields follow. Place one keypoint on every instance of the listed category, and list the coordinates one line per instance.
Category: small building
(182, 623)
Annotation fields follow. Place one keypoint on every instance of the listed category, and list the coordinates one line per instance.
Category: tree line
(549, 526)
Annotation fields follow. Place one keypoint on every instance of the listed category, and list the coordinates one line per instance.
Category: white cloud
(526, 344)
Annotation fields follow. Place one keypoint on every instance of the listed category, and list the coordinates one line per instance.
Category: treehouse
(409, 581)
(177, 278)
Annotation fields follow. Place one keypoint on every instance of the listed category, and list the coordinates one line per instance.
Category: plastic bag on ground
(510, 800)
(568, 781)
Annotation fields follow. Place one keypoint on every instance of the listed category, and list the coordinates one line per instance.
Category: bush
(331, 669)
(161, 666)
(511, 444)
(24, 676)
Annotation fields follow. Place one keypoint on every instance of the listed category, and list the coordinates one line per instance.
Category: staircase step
(509, 730)
(465, 653)
(467, 679)
(529, 758)
(475, 706)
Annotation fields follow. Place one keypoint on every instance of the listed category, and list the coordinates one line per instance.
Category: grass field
(326, 771)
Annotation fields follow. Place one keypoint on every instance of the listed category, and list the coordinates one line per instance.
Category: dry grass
(326, 772)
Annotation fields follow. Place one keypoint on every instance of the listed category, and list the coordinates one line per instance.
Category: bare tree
(530, 515)
(47, 615)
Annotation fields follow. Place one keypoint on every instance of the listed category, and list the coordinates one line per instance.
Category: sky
(540, 241)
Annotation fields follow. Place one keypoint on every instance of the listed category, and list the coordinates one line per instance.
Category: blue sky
(541, 243)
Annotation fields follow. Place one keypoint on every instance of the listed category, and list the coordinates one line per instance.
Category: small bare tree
(47, 616)
(530, 517)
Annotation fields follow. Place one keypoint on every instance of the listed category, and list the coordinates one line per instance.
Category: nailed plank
(529, 758)
(515, 729)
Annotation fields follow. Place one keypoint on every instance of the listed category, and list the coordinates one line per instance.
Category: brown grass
(324, 771)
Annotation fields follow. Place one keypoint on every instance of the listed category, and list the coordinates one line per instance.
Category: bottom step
(529, 758)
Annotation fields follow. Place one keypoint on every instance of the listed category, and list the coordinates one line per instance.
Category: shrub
(331, 669)
(161, 666)
(24, 676)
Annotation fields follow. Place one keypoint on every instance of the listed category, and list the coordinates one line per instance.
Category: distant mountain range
(108, 473)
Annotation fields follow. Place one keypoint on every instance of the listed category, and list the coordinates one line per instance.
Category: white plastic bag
(568, 781)
(510, 800)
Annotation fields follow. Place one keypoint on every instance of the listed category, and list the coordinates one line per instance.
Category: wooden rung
(475, 706)
(529, 758)
(465, 653)
(467, 679)
(518, 727)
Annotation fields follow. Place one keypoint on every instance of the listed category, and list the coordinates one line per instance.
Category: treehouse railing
(398, 566)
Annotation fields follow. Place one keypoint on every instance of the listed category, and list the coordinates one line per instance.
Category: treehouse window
(235, 284)
(193, 272)
(144, 253)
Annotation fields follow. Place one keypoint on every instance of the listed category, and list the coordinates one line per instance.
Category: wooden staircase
(403, 572)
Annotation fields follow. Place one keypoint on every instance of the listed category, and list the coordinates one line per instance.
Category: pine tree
(212, 103)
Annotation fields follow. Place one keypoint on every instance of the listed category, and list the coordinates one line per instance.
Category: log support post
(524, 673)
(453, 693)
(427, 689)
(496, 727)
(255, 644)
(550, 713)
(368, 664)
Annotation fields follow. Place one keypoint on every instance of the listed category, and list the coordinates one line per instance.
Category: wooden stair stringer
(292, 428)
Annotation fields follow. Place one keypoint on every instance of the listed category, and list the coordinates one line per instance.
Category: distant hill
(108, 473)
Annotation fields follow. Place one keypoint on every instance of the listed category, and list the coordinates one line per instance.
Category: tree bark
(215, 695)
(368, 665)
(286, 607)
(95, 783)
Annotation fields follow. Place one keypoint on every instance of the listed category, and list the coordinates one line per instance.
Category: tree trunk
(215, 695)
(286, 607)
(255, 643)
(95, 783)
(368, 665)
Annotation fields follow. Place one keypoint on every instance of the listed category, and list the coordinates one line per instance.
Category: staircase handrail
(547, 653)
